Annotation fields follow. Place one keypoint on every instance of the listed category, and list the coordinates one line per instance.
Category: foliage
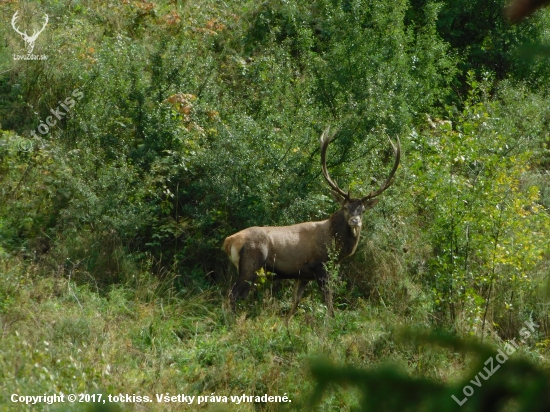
(519, 382)
(487, 226)
(193, 120)
(485, 41)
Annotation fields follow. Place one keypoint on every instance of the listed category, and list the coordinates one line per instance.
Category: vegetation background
(198, 119)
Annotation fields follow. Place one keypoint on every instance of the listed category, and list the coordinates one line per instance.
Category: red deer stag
(300, 251)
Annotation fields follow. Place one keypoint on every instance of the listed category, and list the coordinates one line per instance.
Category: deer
(301, 251)
(29, 40)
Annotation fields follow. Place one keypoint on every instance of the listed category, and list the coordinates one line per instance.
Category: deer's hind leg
(299, 288)
(251, 259)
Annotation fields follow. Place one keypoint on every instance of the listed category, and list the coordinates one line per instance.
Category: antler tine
(36, 33)
(46, 20)
(388, 182)
(13, 22)
(325, 140)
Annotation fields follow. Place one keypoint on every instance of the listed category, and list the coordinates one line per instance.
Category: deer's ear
(338, 197)
(370, 203)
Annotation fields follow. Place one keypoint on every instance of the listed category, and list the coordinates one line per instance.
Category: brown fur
(293, 252)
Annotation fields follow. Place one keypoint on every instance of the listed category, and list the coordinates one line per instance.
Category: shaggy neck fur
(346, 241)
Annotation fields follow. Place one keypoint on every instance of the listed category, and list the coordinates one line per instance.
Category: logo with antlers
(29, 40)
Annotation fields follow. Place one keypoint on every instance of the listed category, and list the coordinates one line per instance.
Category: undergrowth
(141, 337)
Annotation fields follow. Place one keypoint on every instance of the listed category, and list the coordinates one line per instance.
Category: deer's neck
(346, 240)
